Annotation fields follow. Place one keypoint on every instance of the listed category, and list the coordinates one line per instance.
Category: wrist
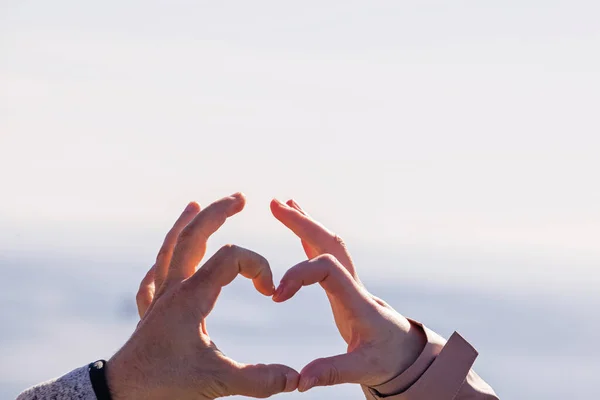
(414, 342)
(122, 383)
(403, 350)
(97, 376)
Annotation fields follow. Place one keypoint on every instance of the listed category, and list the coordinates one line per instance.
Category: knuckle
(170, 238)
(200, 283)
(339, 240)
(331, 375)
(143, 299)
(228, 250)
(329, 260)
(177, 296)
(144, 289)
(186, 234)
(163, 254)
(186, 287)
(140, 296)
(273, 382)
(199, 291)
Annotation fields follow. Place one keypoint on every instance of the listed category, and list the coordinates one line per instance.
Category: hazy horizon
(88, 311)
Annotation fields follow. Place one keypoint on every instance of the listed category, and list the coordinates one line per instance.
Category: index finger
(331, 275)
(313, 233)
(222, 268)
(191, 244)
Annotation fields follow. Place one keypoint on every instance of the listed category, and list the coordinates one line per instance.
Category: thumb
(265, 380)
(328, 371)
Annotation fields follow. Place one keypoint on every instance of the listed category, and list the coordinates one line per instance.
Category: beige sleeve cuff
(440, 372)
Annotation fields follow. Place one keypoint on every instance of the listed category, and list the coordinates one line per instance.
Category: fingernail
(307, 384)
(296, 205)
(190, 206)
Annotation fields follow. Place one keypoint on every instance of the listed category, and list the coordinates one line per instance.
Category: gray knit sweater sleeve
(74, 385)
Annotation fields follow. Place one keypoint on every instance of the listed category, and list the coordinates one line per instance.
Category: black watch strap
(97, 372)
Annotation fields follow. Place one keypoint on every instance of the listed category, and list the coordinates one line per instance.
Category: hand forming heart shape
(374, 332)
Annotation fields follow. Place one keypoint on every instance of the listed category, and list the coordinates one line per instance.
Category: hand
(381, 342)
(170, 354)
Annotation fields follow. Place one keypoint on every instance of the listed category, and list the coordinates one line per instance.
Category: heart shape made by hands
(372, 330)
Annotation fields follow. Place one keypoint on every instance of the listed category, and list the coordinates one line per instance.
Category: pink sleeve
(442, 371)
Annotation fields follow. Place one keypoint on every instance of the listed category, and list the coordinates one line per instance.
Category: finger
(163, 259)
(321, 239)
(262, 380)
(222, 268)
(310, 251)
(330, 274)
(300, 223)
(145, 293)
(191, 244)
(343, 368)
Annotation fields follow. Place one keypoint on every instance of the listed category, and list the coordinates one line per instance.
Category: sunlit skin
(381, 342)
(170, 354)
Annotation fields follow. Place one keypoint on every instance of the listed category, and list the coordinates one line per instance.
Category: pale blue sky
(465, 126)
